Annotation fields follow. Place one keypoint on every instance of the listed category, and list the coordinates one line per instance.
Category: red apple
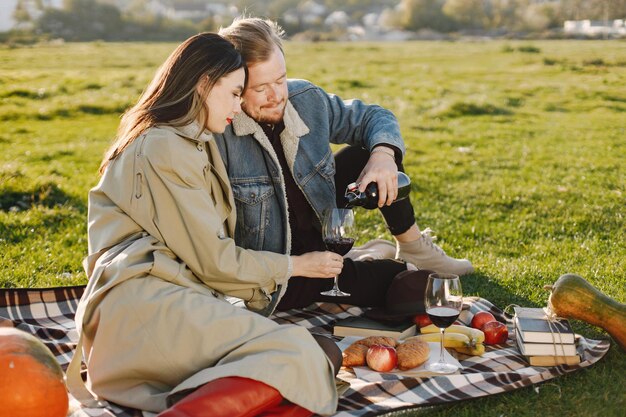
(481, 318)
(422, 320)
(495, 333)
(381, 358)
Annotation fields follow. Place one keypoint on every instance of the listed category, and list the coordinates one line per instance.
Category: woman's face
(224, 100)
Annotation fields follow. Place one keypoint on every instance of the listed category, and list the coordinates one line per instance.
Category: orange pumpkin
(31, 380)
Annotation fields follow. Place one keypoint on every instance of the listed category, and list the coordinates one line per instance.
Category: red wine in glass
(338, 229)
(442, 316)
(340, 245)
(443, 300)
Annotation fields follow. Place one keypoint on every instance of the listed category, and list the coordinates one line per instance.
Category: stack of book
(542, 341)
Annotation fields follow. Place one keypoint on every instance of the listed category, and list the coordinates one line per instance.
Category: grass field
(516, 151)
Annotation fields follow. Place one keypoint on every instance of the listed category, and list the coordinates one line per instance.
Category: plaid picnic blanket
(49, 314)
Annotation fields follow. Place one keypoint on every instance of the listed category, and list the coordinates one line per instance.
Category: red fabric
(286, 410)
(228, 397)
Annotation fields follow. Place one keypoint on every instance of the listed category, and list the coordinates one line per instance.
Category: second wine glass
(443, 301)
(338, 229)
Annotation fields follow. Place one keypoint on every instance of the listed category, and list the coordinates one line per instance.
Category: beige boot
(425, 254)
(372, 250)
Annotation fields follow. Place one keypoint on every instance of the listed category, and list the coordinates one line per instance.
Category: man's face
(265, 97)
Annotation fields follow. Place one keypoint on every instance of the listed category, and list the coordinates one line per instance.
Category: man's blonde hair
(254, 38)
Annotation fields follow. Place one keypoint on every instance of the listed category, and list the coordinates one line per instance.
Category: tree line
(85, 20)
(510, 15)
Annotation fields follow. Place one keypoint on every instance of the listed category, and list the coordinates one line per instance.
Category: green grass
(516, 152)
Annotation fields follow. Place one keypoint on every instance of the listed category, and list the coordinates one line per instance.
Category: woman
(153, 321)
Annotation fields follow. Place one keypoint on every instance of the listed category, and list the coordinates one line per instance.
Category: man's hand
(381, 168)
(317, 265)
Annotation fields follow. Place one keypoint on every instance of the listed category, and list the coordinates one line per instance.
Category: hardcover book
(553, 360)
(544, 349)
(533, 326)
(363, 326)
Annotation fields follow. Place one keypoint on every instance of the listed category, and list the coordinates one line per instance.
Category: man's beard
(261, 117)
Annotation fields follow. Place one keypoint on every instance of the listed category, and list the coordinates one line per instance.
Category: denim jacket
(313, 119)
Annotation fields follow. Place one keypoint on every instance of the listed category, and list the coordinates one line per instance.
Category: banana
(450, 340)
(476, 350)
(475, 336)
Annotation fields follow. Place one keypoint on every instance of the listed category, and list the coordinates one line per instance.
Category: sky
(8, 6)
(6, 13)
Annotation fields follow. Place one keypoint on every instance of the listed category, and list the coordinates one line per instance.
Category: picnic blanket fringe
(48, 313)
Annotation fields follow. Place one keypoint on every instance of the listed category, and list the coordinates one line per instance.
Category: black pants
(366, 281)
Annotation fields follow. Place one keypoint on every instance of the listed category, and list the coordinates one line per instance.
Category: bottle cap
(352, 194)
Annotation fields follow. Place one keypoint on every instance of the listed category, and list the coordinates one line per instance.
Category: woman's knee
(331, 350)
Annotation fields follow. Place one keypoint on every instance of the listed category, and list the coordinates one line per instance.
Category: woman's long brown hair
(172, 98)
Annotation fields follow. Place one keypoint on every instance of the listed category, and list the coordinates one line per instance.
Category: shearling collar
(294, 129)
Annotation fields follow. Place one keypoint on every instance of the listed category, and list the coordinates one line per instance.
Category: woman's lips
(229, 120)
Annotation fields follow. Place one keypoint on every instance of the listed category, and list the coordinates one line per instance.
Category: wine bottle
(369, 198)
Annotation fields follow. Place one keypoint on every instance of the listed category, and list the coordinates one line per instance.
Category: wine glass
(443, 301)
(337, 228)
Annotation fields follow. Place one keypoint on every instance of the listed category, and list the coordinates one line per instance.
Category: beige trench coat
(153, 321)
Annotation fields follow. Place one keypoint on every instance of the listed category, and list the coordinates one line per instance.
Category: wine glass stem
(441, 357)
(336, 284)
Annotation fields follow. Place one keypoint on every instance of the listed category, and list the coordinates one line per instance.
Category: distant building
(596, 28)
(307, 14)
(155, 7)
(371, 20)
(311, 13)
(337, 19)
(311, 7)
(193, 11)
(373, 29)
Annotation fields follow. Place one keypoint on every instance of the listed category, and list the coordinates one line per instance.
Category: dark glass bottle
(369, 198)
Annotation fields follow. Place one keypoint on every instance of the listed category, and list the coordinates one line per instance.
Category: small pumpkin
(572, 297)
(31, 379)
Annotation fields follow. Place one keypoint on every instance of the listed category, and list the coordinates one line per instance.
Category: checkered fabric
(48, 314)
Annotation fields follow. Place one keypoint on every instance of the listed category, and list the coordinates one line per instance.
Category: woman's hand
(317, 265)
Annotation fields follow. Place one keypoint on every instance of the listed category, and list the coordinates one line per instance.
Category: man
(284, 174)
